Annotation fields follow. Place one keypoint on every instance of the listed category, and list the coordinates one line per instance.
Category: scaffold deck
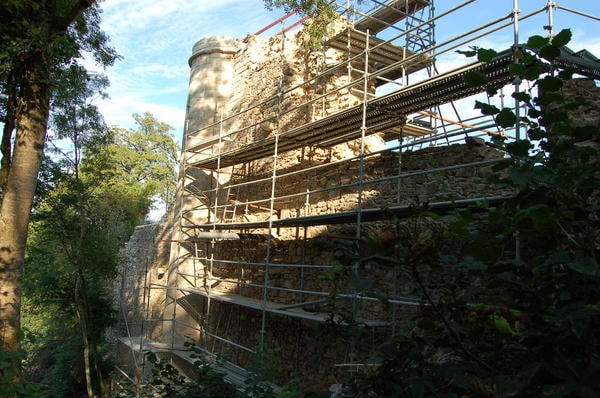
(381, 113)
(390, 13)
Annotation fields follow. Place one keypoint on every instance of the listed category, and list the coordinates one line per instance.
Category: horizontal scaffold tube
(383, 112)
(228, 235)
(368, 215)
(220, 235)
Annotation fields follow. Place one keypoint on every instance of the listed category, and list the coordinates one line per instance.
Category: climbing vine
(518, 313)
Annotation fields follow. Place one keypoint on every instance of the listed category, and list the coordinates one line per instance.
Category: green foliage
(87, 210)
(320, 12)
(167, 381)
(8, 388)
(39, 45)
(517, 314)
(208, 381)
(264, 365)
(141, 160)
(30, 25)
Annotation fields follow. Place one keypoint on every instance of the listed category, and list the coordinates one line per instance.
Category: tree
(37, 39)
(145, 155)
(75, 118)
(95, 199)
(319, 12)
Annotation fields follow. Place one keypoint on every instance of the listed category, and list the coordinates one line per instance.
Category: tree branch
(62, 23)
(450, 329)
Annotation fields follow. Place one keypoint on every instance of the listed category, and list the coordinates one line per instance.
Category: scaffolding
(265, 204)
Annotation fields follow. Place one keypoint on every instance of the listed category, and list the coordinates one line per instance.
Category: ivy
(526, 322)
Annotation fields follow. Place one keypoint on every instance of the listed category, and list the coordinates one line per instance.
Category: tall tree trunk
(84, 320)
(18, 188)
(31, 120)
(7, 132)
(95, 384)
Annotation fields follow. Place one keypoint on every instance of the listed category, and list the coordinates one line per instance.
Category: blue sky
(155, 39)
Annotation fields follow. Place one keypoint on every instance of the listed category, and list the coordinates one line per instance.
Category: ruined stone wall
(278, 85)
(312, 349)
(334, 186)
(306, 348)
(267, 94)
(145, 260)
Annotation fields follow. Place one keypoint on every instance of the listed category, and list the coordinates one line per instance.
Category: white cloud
(156, 37)
(161, 70)
(155, 40)
(118, 113)
(124, 15)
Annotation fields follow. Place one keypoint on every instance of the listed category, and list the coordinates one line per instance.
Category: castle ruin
(293, 160)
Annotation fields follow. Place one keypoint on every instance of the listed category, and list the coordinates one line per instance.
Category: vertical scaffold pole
(550, 6)
(211, 258)
(517, 81)
(265, 298)
(361, 176)
(349, 68)
(170, 295)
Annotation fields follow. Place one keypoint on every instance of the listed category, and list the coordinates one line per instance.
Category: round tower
(210, 85)
(211, 75)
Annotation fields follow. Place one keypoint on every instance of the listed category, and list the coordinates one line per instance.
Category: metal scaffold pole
(517, 83)
(328, 156)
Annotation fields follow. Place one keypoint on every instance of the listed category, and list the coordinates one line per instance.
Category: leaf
(532, 72)
(537, 41)
(151, 357)
(534, 113)
(506, 118)
(486, 55)
(550, 84)
(519, 54)
(562, 38)
(515, 313)
(501, 324)
(469, 53)
(540, 215)
(521, 177)
(585, 266)
(522, 96)
(567, 74)
(516, 69)
(486, 109)
(550, 52)
(519, 148)
(475, 78)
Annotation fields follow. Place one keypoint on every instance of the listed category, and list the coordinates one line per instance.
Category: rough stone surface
(266, 75)
(145, 260)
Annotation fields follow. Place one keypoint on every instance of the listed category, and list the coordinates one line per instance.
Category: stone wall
(313, 349)
(306, 348)
(145, 261)
(313, 181)
(389, 179)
